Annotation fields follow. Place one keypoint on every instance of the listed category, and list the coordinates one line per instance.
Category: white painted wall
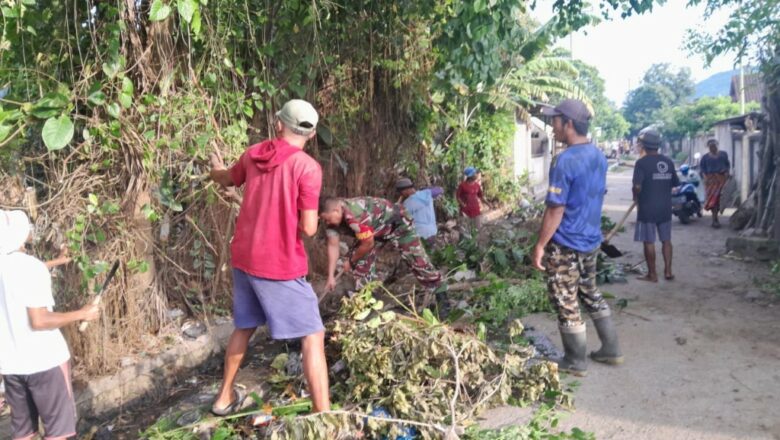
(526, 138)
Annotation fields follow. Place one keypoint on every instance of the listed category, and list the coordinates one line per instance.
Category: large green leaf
(112, 66)
(5, 130)
(11, 116)
(126, 96)
(187, 9)
(57, 132)
(125, 100)
(97, 98)
(114, 110)
(127, 86)
(159, 11)
(196, 22)
(52, 104)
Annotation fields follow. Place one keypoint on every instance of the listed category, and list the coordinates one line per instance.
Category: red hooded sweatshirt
(279, 180)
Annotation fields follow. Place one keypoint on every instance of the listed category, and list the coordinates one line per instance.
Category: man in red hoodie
(281, 195)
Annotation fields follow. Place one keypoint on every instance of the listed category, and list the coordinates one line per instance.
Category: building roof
(754, 88)
(739, 121)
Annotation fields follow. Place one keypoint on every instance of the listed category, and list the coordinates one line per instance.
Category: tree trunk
(772, 128)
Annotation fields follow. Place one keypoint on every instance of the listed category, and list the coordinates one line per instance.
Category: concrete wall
(531, 152)
(691, 146)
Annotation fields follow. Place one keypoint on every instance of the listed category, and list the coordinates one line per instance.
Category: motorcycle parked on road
(685, 201)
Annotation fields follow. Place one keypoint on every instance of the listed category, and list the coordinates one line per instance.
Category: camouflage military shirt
(367, 217)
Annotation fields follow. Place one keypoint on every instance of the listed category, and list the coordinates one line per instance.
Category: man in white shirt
(34, 358)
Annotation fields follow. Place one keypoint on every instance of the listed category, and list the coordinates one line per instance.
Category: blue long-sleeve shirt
(420, 206)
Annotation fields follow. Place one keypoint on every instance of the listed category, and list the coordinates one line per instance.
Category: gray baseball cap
(299, 116)
(573, 109)
(650, 138)
(403, 183)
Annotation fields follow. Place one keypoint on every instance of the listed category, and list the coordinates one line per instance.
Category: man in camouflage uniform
(371, 220)
(570, 237)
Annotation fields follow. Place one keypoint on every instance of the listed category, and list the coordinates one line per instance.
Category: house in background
(532, 153)
(754, 88)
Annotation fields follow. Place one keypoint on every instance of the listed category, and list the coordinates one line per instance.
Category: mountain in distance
(718, 84)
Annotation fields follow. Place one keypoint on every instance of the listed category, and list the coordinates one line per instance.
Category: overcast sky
(623, 50)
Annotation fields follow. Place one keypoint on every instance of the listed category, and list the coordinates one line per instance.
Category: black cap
(573, 109)
(650, 138)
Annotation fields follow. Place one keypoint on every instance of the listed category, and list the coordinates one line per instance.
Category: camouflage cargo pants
(405, 239)
(571, 276)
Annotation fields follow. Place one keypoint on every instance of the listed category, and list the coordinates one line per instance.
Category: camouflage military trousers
(405, 239)
(571, 276)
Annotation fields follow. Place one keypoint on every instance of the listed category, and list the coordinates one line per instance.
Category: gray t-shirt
(656, 175)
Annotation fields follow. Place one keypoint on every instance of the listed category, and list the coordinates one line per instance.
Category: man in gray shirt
(654, 178)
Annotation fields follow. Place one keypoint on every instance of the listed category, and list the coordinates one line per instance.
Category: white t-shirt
(25, 282)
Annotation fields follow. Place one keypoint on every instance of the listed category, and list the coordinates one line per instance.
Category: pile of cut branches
(424, 373)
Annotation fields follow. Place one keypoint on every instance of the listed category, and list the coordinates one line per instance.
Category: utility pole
(741, 87)
(571, 45)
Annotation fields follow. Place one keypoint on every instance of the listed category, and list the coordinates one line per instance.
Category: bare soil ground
(702, 351)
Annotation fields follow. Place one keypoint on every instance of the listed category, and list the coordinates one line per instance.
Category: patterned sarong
(713, 185)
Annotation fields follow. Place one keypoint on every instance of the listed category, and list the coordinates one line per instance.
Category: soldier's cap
(299, 116)
(650, 138)
(404, 183)
(573, 109)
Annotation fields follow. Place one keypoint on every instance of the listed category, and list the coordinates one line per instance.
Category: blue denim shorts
(290, 308)
(645, 232)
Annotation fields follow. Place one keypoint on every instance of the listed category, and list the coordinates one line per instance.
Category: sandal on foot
(239, 395)
(669, 277)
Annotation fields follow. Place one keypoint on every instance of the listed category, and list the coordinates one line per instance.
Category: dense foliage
(661, 89)
(699, 117)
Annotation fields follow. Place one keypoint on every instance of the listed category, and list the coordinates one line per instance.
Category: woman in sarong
(715, 167)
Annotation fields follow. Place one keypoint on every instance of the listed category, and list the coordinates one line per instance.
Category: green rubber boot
(609, 353)
(575, 349)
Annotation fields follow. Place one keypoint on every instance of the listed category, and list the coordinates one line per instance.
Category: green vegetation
(698, 117)
(110, 112)
(495, 304)
(661, 89)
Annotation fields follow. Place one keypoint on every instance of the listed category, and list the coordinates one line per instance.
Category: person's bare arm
(42, 319)
(362, 250)
(307, 223)
(219, 173)
(550, 222)
(62, 258)
(333, 257)
(59, 261)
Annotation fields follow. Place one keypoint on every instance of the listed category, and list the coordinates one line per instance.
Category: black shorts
(47, 395)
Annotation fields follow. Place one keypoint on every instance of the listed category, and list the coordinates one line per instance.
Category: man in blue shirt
(570, 235)
(419, 204)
